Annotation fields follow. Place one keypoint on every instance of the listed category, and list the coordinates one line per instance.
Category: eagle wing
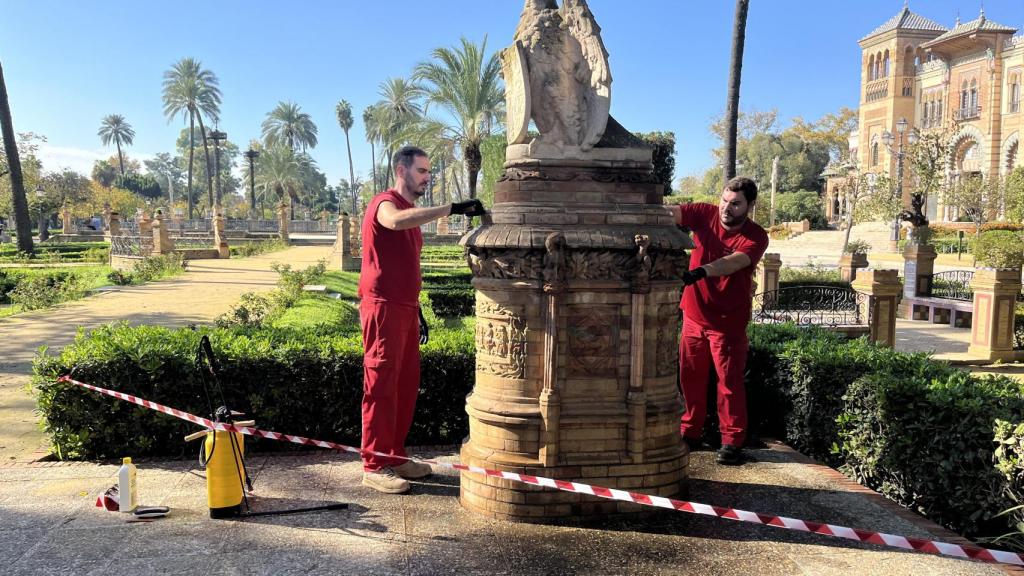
(598, 83)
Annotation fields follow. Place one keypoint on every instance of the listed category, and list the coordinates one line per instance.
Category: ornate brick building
(916, 69)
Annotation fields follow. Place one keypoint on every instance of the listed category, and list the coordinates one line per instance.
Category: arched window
(974, 96)
(878, 65)
(1014, 94)
(871, 68)
(874, 153)
(964, 98)
(885, 65)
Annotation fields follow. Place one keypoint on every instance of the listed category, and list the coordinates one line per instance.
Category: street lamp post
(889, 139)
(217, 136)
(44, 225)
(251, 155)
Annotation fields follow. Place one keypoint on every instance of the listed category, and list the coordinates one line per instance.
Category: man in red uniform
(392, 323)
(716, 308)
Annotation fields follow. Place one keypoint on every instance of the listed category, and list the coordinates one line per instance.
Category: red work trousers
(698, 348)
(391, 379)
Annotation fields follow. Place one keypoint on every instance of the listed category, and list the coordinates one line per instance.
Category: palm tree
(287, 124)
(372, 128)
(396, 113)
(469, 87)
(192, 92)
(732, 104)
(115, 128)
(344, 113)
(279, 172)
(22, 223)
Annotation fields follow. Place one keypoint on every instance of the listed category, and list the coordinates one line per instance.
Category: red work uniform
(389, 289)
(715, 316)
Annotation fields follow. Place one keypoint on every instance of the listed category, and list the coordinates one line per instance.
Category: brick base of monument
(518, 502)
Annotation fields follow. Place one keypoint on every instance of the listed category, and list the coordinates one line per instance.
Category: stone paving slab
(49, 525)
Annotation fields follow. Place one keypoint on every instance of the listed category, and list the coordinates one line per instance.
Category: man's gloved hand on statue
(468, 208)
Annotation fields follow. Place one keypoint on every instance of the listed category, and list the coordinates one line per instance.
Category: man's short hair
(744, 185)
(406, 156)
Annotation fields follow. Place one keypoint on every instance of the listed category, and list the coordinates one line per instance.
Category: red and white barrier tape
(880, 538)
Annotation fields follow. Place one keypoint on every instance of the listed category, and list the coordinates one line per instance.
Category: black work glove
(470, 208)
(691, 276)
(424, 329)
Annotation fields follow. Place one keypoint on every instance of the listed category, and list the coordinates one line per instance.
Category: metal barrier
(131, 245)
(826, 306)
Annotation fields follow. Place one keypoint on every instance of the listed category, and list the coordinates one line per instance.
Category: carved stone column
(882, 288)
(113, 225)
(767, 276)
(162, 243)
(342, 253)
(995, 298)
(442, 226)
(106, 217)
(283, 221)
(849, 264)
(68, 225)
(577, 280)
(220, 239)
(355, 238)
(145, 233)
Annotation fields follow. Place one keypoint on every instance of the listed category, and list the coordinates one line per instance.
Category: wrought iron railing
(827, 306)
(968, 113)
(195, 225)
(311, 226)
(953, 285)
(252, 226)
(131, 245)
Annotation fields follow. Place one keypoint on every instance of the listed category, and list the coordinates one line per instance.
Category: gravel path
(208, 289)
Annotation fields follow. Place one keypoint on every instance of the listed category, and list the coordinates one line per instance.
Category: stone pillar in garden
(220, 239)
(145, 233)
(355, 239)
(995, 300)
(162, 242)
(850, 263)
(918, 267)
(767, 276)
(68, 225)
(342, 253)
(577, 277)
(881, 290)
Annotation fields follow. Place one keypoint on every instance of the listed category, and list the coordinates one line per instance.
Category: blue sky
(68, 64)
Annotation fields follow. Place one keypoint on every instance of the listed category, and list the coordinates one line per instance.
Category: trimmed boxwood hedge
(307, 386)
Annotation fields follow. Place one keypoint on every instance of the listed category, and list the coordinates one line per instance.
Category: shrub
(810, 276)
(778, 232)
(926, 441)
(157, 267)
(120, 278)
(999, 249)
(8, 281)
(309, 385)
(1009, 457)
(857, 247)
(45, 290)
(800, 205)
(255, 248)
(291, 281)
(250, 312)
(1011, 226)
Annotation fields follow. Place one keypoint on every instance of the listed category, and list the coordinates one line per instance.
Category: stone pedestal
(355, 238)
(442, 226)
(106, 217)
(342, 253)
(918, 267)
(220, 239)
(162, 242)
(145, 231)
(283, 221)
(767, 276)
(995, 298)
(882, 289)
(577, 280)
(68, 225)
(849, 264)
(113, 225)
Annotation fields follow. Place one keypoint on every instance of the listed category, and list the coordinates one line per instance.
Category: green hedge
(310, 387)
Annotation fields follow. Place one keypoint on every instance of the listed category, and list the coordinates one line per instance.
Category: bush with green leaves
(857, 247)
(999, 249)
(1009, 458)
(927, 441)
(158, 267)
(8, 281)
(811, 275)
(256, 248)
(800, 205)
(120, 277)
(290, 282)
(309, 385)
(45, 290)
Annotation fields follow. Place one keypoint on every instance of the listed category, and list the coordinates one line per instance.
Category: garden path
(208, 289)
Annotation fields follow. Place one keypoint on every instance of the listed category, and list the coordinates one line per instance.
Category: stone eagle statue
(556, 73)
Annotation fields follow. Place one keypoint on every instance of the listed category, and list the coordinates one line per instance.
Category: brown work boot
(385, 480)
(413, 470)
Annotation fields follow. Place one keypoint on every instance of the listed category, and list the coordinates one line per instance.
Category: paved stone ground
(208, 289)
(49, 525)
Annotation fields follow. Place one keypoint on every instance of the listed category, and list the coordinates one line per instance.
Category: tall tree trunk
(732, 104)
(373, 166)
(120, 156)
(44, 226)
(474, 160)
(351, 179)
(388, 170)
(209, 168)
(191, 156)
(22, 222)
(442, 180)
